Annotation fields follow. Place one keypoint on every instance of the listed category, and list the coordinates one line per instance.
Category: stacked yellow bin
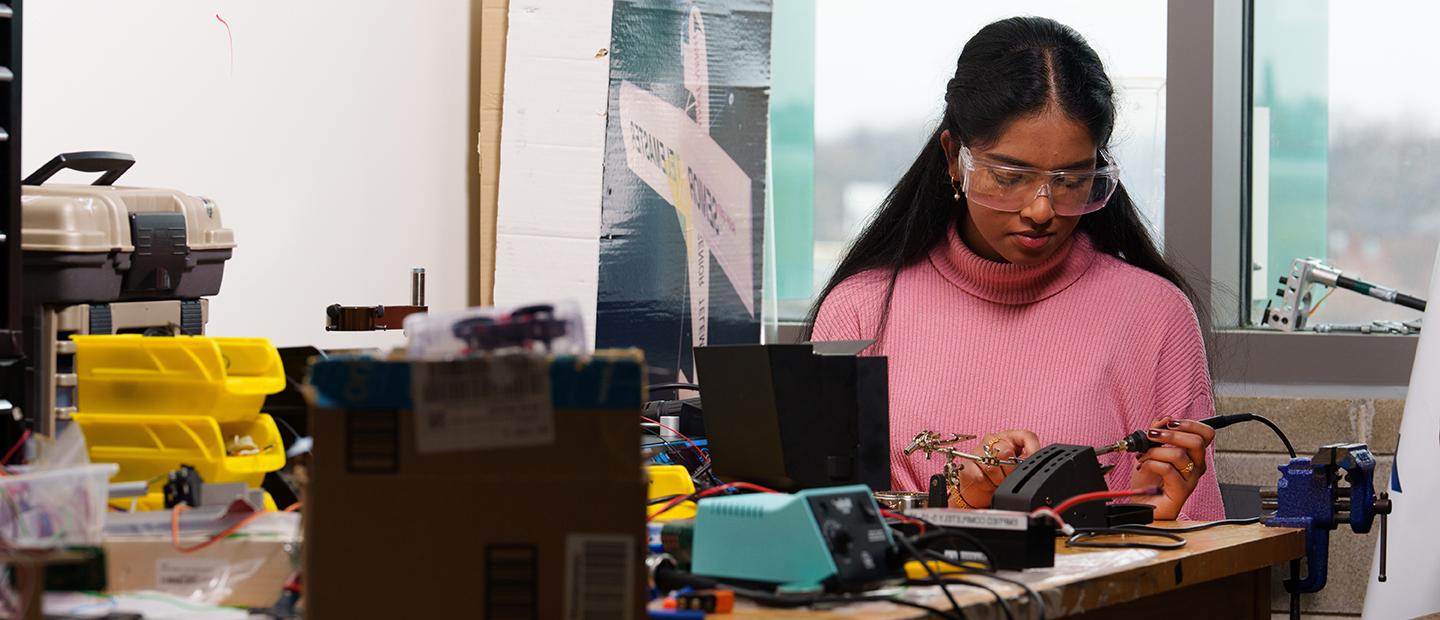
(153, 404)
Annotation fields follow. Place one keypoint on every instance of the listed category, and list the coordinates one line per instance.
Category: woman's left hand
(1175, 466)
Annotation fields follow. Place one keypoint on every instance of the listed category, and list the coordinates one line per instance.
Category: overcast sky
(887, 67)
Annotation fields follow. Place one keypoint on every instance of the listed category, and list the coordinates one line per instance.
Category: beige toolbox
(101, 243)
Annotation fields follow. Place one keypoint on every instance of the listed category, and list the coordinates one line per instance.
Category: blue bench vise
(1310, 495)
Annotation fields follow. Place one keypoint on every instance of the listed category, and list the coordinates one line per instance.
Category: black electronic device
(797, 415)
(1058, 472)
(1014, 540)
(689, 410)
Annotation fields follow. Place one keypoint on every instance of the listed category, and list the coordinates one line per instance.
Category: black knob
(1284, 279)
(840, 539)
(1279, 292)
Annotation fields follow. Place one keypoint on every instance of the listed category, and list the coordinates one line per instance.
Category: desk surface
(1089, 579)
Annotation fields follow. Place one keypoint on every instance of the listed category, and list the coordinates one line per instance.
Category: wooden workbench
(1223, 572)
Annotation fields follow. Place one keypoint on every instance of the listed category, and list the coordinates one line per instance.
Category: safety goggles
(1009, 188)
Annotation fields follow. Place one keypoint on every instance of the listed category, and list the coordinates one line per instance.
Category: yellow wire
(1316, 308)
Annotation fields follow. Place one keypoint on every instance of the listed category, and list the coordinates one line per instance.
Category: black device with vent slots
(1058, 472)
(795, 416)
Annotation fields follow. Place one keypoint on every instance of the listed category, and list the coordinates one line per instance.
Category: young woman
(1011, 283)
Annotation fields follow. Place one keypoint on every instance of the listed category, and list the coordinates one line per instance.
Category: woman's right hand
(978, 482)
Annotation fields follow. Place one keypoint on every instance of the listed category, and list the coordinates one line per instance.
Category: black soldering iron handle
(1414, 303)
(1138, 442)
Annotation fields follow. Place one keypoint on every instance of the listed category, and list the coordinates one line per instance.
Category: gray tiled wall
(1249, 454)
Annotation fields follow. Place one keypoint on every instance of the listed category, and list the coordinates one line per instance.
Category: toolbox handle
(111, 163)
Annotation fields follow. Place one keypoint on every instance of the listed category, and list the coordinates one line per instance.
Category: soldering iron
(1139, 441)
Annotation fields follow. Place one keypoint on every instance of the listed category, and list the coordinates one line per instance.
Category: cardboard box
(446, 489)
(247, 570)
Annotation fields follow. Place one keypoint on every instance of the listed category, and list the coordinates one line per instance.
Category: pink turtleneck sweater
(1082, 349)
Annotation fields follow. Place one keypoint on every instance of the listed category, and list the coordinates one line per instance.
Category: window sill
(1265, 357)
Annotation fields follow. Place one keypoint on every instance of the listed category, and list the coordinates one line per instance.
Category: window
(1345, 139)
(878, 76)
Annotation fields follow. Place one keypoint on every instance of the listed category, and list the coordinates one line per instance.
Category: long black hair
(1011, 68)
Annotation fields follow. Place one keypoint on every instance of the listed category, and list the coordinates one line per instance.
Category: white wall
(336, 145)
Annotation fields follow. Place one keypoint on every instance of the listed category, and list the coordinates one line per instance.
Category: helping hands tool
(931, 442)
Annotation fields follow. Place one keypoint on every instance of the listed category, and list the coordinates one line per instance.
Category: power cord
(955, 579)
(1221, 421)
(1187, 529)
(934, 577)
(939, 532)
(667, 577)
(1035, 598)
(1082, 537)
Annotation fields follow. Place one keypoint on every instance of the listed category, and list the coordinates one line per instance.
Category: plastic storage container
(554, 328)
(222, 378)
(55, 508)
(99, 243)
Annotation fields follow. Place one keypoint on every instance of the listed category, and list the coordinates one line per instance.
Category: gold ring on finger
(1189, 467)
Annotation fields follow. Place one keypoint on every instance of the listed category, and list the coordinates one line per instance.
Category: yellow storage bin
(147, 447)
(223, 378)
(668, 480)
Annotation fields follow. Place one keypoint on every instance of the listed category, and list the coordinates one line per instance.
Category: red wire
(707, 493)
(23, 437)
(682, 436)
(175, 527)
(903, 519)
(1099, 495)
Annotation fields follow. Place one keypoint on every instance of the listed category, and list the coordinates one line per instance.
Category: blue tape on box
(576, 382)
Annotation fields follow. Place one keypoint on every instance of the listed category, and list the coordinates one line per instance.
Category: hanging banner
(682, 216)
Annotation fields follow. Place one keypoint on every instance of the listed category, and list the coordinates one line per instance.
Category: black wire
(1278, 433)
(999, 598)
(671, 576)
(1222, 421)
(1187, 529)
(1035, 598)
(662, 500)
(1004, 605)
(935, 577)
(942, 532)
(781, 601)
(674, 386)
(1082, 536)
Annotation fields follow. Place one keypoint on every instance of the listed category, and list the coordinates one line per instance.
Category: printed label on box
(187, 576)
(482, 403)
(599, 576)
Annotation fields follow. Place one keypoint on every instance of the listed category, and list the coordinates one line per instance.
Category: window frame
(1207, 212)
(1207, 161)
